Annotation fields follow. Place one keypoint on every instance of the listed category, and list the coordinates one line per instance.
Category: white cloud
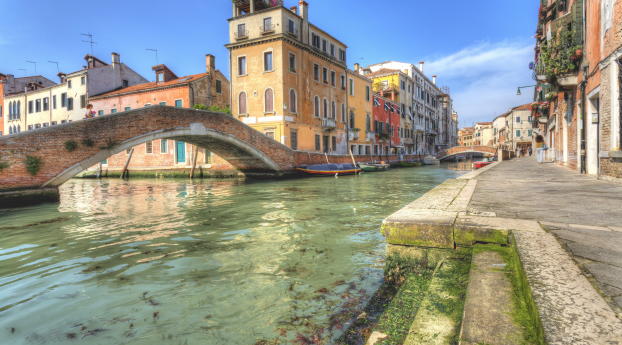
(483, 79)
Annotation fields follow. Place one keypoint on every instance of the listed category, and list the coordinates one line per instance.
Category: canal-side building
(361, 135)
(500, 132)
(386, 126)
(11, 86)
(43, 105)
(289, 78)
(465, 136)
(519, 128)
(453, 132)
(483, 134)
(209, 89)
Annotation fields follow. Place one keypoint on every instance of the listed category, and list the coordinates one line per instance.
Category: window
(83, 101)
(218, 86)
(242, 65)
(316, 72)
(46, 104)
(127, 108)
(292, 62)
(333, 110)
(38, 105)
(160, 77)
(269, 101)
(325, 75)
(343, 112)
(351, 119)
(291, 27)
(317, 143)
(368, 123)
(241, 30)
(179, 103)
(30, 107)
(267, 24)
(100, 113)
(113, 110)
(518, 119)
(63, 99)
(351, 87)
(163, 146)
(162, 103)
(267, 61)
(82, 80)
(367, 93)
(342, 55)
(333, 78)
(324, 45)
(315, 40)
(332, 50)
(529, 132)
(334, 140)
(69, 84)
(125, 83)
(325, 108)
(292, 101)
(70, 103)
(149, 147)
(518, 133)
(53, 123)
(242, 103)
(316, 106)
(293, 138)
(269, 132)
(343, 82)
(402, 85)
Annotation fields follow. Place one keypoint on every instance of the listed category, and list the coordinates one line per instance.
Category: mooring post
(127, 164)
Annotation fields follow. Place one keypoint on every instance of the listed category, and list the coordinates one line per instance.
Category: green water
(206, 262)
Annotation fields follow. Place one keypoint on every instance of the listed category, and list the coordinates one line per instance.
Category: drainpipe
(583, 128)
(619, 61)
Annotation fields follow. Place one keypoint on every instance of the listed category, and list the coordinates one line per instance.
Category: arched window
(343, 112)
(19, 128)
(10, 113)
(316, 106)
(368, 123)
(333, 112)
(325, 108)
(19, 109)
(269, 101)
(242, 103)
(293, 106)
(351, 119)
(10, 130)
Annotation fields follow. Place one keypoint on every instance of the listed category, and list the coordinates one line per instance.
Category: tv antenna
(89, 41)
(55, 62)
(156, 54)
(23, 70)
(34, 63)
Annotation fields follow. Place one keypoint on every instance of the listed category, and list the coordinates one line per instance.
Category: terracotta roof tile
(523, 107)
(382, 71)
(152, 86)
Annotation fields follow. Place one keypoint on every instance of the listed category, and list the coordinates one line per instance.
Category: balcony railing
(353, 134)
(292, 32)
(329, 123)
(241, 34)
(370, 136)
(267, 29)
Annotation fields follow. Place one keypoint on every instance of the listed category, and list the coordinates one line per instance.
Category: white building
(48, 105)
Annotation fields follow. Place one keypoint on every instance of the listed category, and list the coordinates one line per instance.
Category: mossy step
(440, 314)
(489, 309)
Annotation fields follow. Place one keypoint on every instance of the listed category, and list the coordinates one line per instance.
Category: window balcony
(267, 29)
(371, 136)
(293, 33)
(329, 124)
(241, 35)
(353, 134)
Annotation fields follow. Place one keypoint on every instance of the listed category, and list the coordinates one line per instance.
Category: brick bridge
(456, 150)
(245, 148)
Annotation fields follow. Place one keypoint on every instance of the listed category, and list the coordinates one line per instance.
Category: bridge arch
(457, 150)
(243, 147)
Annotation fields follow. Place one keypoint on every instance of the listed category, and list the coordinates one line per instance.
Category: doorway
(592, 135)
(180, 152)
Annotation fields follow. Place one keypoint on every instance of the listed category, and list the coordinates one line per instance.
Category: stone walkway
(584, 214)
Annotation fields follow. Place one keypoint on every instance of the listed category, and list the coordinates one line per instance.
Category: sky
(480, 49)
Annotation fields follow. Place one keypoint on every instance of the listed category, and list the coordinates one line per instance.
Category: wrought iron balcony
(370, 136)
(329, 124)
(241, 34)
(353, 134)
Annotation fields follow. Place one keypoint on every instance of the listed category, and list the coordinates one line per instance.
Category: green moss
(420, 235)
(88, 142)
(71, 145)
(469, 237)
(33, 165)
(524, 311)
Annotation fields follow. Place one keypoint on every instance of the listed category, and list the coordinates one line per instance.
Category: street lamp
(518, 93)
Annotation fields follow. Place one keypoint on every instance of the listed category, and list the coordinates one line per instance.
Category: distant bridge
(41, 159)
(457, 150)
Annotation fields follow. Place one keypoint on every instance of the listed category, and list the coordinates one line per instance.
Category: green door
(180, 153)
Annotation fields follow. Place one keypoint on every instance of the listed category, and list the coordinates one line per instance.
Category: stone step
(438, 319)
(489, 306)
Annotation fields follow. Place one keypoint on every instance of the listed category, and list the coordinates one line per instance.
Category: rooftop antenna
(23, 70)
(156, 54)
(89, 41)
(34, 63)
(55, 62)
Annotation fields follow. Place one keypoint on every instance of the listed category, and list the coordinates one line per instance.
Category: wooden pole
(194, 160)
(326, 155)
(352, 156)
(99, 170)
(127, 164)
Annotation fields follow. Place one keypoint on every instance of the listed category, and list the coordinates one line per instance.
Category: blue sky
(480, 49)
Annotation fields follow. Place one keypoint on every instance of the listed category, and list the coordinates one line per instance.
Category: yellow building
(289, 78)
(360, 130)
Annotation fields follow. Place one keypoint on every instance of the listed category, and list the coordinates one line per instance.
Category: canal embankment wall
(569, 308)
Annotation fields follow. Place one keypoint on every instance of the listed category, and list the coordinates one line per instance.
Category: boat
(481, 164)
(409, 164)
(329, 169)
(372, 167)
(431, 160)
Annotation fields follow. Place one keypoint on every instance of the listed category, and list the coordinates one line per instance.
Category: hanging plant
(33, 165)
(561, 55)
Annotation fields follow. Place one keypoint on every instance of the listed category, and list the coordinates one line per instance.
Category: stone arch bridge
(456, 150)
(245, 148)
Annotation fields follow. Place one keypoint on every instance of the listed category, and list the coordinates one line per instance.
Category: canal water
(198, 262)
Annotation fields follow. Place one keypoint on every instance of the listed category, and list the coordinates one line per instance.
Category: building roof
(523, 107)
(383, 71)
(483, 123)
(152, 86)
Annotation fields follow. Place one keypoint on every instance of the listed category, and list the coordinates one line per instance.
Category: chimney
(116, 59)
(434, 79)
(303, 10)
(294, 9)
(421, 66)
(210, 63)
(62, 76)
(163, 73)
(357, 68)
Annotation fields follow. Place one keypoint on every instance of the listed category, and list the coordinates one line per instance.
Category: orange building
(208, 89)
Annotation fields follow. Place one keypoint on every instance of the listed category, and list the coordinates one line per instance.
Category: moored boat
(372, 167)
(410, 164)
(329, 169)
(481, 164)
(431, 160)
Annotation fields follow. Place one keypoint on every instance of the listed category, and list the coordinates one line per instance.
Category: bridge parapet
(456, 150)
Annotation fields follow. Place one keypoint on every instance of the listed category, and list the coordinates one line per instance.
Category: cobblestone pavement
(585, 214)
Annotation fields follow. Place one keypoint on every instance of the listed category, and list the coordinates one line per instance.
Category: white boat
(431, 160)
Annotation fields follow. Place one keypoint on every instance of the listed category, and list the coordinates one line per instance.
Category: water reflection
(207, 262)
